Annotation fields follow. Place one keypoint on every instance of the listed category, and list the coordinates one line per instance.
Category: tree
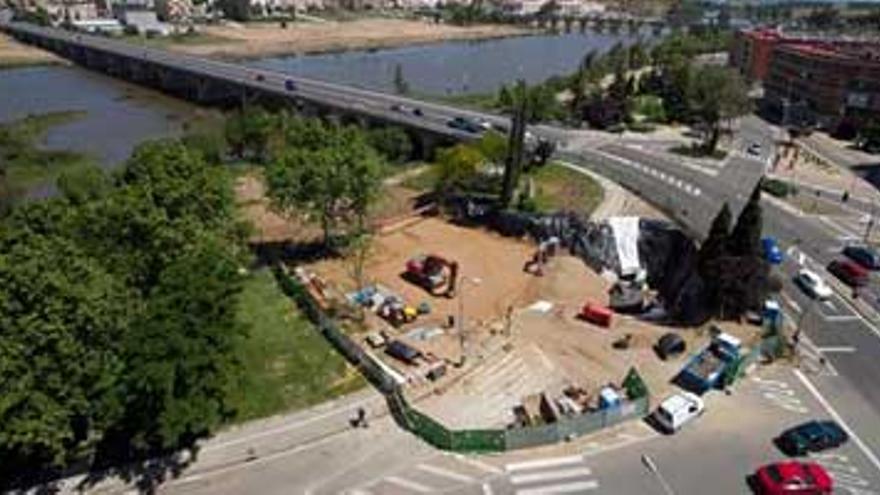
(712, 251)
(716, 94)
(236, 10)
(869, 136)
(63, 318)
(745, 239)
(493, 146)
(401, 87)
(505, 99)
(336, 183)
(515, 148)
(85, 184)
(456, 168)
(181, 356)
(391, 142)
(249, 131)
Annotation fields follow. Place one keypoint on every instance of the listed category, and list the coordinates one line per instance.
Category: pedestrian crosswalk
(551, 476)
(456, 473)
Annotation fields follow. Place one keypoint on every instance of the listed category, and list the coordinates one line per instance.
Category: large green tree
(63, 318)
(181, 355)
(336, 183)
(716, 94)
(745, 239)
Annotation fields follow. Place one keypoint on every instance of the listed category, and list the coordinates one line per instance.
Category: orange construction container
(597, 314)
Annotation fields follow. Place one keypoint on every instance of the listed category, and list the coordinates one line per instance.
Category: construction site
(489, 331)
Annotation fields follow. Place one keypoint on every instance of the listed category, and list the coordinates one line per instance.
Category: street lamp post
(652, 467)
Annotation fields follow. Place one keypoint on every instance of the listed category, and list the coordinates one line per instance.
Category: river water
(121, 115)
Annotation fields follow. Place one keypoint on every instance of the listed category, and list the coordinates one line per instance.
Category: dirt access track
(263, 39)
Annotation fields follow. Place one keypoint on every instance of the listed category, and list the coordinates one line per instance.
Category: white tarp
(626, 237)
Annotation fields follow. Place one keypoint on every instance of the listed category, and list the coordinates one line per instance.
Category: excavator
(433, 273)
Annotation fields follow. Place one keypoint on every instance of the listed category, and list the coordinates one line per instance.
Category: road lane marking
(789, 301)
(347, 408)
(560, 489)
(841, 318)
(834, 415)
(445, 473)
(559, 474)
(542, 463)
(479, 464)
(487, 489)
(412, 485)
(839, 348)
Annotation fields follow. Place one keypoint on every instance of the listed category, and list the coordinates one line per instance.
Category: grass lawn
(560, 188)
(287, 364)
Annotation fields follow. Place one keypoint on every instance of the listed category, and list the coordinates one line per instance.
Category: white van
(679, 409)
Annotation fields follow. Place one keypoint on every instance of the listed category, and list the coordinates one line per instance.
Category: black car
(814, 436)
(863, 255)
(289, 85)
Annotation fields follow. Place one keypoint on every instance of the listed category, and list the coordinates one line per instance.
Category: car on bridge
(813, 436)
(793, 478)
(290, 85)
(466, 125)
(813, 285)
(397, 107)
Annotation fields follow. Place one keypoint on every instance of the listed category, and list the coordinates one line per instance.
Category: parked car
(260, 77)
(290, 85)
(813, 436)
(402, 351)
(792, 477)
(864, 256)
(850, 272)
(678, 410)
(812, 284)
(772, 253)
(670, 344)
(707, 369)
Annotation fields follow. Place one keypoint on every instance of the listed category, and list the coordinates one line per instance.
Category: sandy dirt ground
(13, 53)
(262, 39)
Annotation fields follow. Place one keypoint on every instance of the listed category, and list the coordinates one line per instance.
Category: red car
(793, 478)
(850, 272)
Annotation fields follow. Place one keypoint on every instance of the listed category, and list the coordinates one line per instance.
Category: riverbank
(14, 54)
(256, 40)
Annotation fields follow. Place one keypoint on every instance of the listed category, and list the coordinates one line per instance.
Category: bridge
(691, 199)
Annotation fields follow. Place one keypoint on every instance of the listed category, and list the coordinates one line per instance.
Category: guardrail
(466, 440)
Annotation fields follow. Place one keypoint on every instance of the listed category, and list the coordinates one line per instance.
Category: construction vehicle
(433, 272)
(396, 312)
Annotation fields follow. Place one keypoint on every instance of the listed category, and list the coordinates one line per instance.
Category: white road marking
(559, 489)
(479, 464)
(358, 491)
(841, 317)
(411, 485)
(840, 348)
(487, 489)
(542, 463)
(559, 474)
(446, 473)
(291, 426)
(830, 304)
(834, 415)
(794, 306)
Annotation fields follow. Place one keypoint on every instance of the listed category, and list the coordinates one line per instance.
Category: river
(121, 115)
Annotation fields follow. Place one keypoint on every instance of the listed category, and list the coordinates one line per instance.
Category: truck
(706, 370)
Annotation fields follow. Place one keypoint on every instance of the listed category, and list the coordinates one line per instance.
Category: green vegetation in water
(560, 188)
(287, 364)
(478, 101)
(24, 162)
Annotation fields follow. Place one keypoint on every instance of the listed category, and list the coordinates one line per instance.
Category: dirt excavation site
(485, 350)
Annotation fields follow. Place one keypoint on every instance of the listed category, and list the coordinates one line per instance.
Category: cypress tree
(745, 240)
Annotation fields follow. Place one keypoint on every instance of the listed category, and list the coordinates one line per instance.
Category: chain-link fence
(476, 440)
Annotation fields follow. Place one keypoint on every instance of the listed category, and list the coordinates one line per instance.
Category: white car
(813, 285)
(678, 410)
